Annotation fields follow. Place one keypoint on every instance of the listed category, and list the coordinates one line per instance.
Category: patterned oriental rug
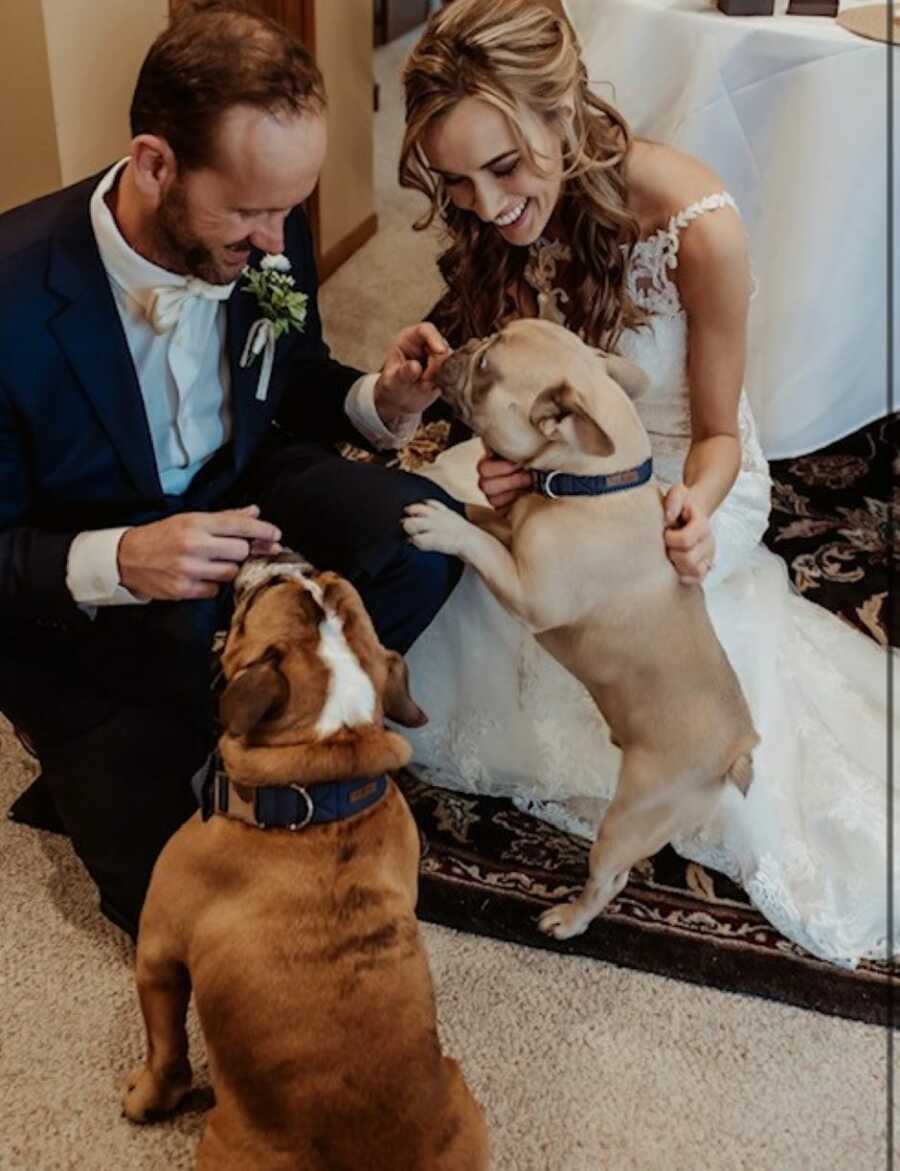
(490, 869)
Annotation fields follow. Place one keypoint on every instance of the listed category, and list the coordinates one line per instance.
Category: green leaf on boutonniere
(273, 287)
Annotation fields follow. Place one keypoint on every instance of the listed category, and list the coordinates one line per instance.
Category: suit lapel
(90, 332)
(249, 416)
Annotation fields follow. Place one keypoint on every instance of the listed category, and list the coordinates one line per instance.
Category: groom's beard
(180, 249)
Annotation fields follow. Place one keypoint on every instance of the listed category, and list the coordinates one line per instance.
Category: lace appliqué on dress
(540, 274)
(651, 260)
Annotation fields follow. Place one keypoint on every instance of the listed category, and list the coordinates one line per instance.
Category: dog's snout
(452, 371)
(453, 377)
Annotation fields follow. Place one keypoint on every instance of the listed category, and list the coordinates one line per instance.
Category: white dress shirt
(185, 383)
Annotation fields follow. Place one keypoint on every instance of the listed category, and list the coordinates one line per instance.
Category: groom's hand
(406, 384)
(192, 555)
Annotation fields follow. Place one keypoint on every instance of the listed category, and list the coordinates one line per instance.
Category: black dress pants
(120, 710)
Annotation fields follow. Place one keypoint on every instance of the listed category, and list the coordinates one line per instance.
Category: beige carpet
(582, 1066)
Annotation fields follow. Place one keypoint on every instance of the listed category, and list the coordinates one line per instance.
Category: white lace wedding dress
(809, 842)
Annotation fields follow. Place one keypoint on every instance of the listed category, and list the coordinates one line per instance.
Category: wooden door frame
(393, 24)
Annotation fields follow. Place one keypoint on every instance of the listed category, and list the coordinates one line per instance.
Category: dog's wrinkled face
(302, 661)
(535, 383)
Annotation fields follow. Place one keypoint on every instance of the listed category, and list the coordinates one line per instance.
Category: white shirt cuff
(361, 411)
(92, 570)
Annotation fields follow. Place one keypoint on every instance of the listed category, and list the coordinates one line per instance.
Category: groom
(141, 460)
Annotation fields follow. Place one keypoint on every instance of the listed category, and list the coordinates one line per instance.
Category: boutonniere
(282, 309)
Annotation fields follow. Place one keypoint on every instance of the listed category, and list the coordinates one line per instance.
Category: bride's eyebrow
(484, 166)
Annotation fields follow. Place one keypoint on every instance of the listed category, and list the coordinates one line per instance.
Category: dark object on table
(747, 7)
(812, 8)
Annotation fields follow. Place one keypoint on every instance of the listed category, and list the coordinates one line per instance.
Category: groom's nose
(268, 234)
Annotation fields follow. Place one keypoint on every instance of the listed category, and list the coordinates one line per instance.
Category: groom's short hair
(217, 54)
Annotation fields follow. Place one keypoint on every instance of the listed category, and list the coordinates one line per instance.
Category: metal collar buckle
(310, 809)
(548, 491)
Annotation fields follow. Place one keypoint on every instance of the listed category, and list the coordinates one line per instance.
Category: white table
(792, 113)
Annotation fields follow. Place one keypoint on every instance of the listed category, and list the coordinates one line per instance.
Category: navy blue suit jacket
(75, 446)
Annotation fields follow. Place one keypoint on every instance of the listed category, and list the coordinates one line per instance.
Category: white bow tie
(166, 302)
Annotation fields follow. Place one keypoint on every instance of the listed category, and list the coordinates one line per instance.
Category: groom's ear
(154, 166)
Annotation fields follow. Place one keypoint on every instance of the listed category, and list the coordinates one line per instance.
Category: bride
(552, 209)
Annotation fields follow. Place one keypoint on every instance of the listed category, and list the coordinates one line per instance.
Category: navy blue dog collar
(556, 484)
(292, 807)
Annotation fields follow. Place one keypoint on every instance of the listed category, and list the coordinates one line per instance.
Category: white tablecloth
(792, 113)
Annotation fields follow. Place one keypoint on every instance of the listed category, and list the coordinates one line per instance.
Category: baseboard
(331, 261)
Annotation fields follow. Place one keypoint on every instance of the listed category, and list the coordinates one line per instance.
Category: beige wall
(344, 52)
(95, 48)
(68, 70)
(27, 129)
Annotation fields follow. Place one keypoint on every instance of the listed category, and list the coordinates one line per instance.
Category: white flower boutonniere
(282, 308)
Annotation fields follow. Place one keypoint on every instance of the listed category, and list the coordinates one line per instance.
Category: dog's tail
(740, 771)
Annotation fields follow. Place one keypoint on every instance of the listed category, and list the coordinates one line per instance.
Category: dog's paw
(148, 1097)
(435, 528)
(565, 920)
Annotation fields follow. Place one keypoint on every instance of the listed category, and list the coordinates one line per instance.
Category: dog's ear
(252, 694)
(399, 705)
(560, 413)
(631, 378)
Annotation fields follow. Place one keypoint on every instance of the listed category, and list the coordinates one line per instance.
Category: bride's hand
(502, 482)
(689, 539)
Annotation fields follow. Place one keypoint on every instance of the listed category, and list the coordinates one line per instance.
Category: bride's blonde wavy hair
(518, 56)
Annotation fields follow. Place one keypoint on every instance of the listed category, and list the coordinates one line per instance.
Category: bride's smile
(487, 172)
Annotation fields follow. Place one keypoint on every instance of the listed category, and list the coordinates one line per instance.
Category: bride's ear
(631, 378)
(563, 415)
(564, 113)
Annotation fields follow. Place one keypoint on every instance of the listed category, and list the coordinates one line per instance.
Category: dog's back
(313, 992)
(298, 932)
(640, 641)
(583, 564)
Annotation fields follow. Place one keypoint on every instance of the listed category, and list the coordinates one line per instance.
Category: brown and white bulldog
(301, 942)
(589, 576)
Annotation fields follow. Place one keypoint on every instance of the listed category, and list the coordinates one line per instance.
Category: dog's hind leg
(164, 988)
(461, 1141)
(644, 816)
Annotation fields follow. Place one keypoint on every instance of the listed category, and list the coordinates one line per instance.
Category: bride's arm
(713, 278)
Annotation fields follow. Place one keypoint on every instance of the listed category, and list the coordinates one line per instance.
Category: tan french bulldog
(589, 576)
(300, 939)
